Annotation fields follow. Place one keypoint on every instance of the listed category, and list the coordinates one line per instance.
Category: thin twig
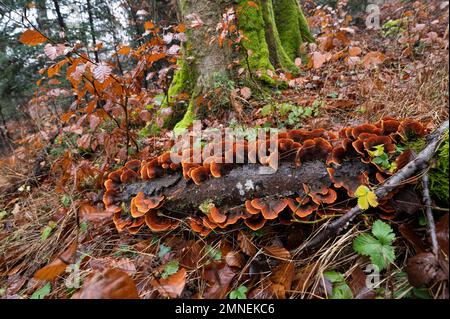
(429, 215)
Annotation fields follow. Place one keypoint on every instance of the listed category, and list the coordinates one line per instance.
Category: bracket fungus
(311, 171)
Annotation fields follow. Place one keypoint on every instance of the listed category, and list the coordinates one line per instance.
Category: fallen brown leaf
(57, 266)
(246, 245)
(173, 285)
(108, 284)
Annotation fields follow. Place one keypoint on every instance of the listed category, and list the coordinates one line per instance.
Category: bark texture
(228, 191)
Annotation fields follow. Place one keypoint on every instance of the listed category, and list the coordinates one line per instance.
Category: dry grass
(423, 97)
(23, 248)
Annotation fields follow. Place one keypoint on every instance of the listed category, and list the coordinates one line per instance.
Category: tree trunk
(91, 26)
(42, 17)
(272, 34)
(5, 137)
(61, 23)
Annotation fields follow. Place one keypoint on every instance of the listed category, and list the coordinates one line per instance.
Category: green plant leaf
(399, 149)
(83, 227)
(239, 293)
(379, 249)
(163, 250)
(266, 110)
(341, 291)
(334, 276)
(170, 268)
(378, 150)
(42, 292)
(333, 95)
(383, 232)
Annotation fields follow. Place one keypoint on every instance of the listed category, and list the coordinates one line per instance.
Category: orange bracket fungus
(312, 173)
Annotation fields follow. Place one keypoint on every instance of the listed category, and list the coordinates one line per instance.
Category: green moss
(206, 206)
(183, 80)
(304, 28)
(439, 172)
(287, 21)
(252, 25)
(188, 119)
(273, 39)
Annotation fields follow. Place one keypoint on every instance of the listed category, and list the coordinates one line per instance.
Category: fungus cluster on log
(317, 172)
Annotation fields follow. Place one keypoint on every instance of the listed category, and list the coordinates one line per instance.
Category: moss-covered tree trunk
(273, 32)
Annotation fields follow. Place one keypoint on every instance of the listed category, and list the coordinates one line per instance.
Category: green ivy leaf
(239, 293)
(66, 200)
(42, 293)
(334, 276)
(170, 268)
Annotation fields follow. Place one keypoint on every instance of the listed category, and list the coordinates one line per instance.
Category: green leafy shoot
(380, 158)
(399, 149)
(170, 269)
(42, 292)
(379, 246)
(340, 288)
(163, 250)
(366, 198)
(239, 293)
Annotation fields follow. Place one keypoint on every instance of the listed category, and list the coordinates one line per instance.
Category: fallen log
(319, 171)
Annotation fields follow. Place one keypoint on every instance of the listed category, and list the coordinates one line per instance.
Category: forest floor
(357, 76)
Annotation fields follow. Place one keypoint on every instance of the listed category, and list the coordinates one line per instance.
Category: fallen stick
(419, 163)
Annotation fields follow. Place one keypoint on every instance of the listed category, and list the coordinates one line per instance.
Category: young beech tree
(272, 32)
